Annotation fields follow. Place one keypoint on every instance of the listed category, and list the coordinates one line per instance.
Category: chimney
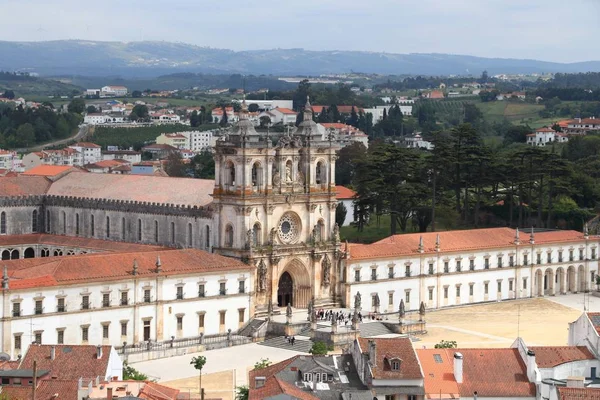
(458, 367)
(531, 365)
(99, 351)
(372, 352)
(109, 393)
(52, 352)
(575, 382)
(259, 381)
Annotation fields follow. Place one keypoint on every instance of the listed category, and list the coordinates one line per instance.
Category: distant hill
(34, 86)
(149, 59)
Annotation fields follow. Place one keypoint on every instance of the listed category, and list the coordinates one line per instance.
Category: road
(81, 133)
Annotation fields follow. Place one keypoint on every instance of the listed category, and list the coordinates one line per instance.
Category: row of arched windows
(4, 223)
(286, 175)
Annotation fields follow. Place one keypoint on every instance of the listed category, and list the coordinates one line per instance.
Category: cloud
(552, 30)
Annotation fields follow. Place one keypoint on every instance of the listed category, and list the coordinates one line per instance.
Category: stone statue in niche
(262, 276)
(288, 173)
(276, 178)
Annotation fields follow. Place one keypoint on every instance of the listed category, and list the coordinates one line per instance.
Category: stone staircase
(251, 327)
(281, 342)
(373, 329)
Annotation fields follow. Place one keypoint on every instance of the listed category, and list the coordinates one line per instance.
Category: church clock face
(289, 228)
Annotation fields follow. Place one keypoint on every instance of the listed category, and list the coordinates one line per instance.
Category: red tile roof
(154, 391)
(551, 356)
(545, 129)
(87, 268)
(23, 185)
(87, 145)
(43, 239)
(343, 193)
(284, 110)
(566, 393)
(439, 375)
(275, 386)
(70, 362)
(65, 388)
(388, 349)
(462, 240)
(48, 170)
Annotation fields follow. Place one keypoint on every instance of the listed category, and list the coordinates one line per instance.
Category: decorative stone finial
(531, 237)
(422, 311)
(437, 242)
(135, 266)
(158, 264)
(517, 238)
(586, 232)
(401, 309)
(421, 247)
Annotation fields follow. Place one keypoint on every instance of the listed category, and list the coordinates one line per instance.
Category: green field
(515, 112)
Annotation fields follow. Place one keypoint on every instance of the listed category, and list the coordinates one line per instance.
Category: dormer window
(395, 365)
(307, 377)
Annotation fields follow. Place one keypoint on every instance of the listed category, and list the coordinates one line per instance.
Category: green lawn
(516, 112)
(371, 233)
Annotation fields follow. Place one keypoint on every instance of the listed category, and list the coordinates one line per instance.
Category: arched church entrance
(285, 290)
(294, 286)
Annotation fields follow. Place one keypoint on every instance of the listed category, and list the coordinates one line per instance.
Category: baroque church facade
(272, 205)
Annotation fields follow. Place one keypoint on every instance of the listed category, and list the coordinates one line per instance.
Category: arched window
(123, 228)
(256, 175)
(34, 221)
(92, 227)
(319, 178)
(230, 174)
(321, 229)
(48, 221)
(64, 222)
(207, 238)
(156, 231)
(77, 224)
(256, 234)
(229, 236)
(172, 232)
(189, 236)
(107, 226)
(139, 235)
(3, 223)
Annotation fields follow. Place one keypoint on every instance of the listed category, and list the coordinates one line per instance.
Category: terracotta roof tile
(387, 350)
(566, 393)
(23, 185)
(48, 170)
(70, 362)
(16, 393)
(73, 241)
(462, 240)
(284, 110)
(343, 193)
(438, 370)
(551, 356)
(275, 386)
(67, 389)
(77, 269)
(155, 391)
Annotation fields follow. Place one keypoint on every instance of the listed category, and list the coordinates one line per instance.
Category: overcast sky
(551, 30)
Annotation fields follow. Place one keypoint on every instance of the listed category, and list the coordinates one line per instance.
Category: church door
(285, 290)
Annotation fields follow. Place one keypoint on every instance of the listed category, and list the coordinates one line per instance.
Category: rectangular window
(486, 263)
(524, 283)
(17, 342)
(85, 302)
(593, 253)
(38, 337)
(472, 265)
(105, 299)
(124, 299)
(580, 254)
(357, 275)
(571, 256)
(407, 295)
(525, 259)
(510, 285)
(242, 286)
(430, 268)
(539, 258)
(123, 328)
(39, 308)
(84, 333)
(391, 299)
(458, 291)
(458, 265)
(241, 315)
(499, 287)
(60, 307)
(390, 272)
(430, 294)
(222, 289)
(407, 271)
(200, 290)
(470, 289)
(560, 256)
(485, 288)
(104, 331)
(60, 337)
(16, 309)
(511, 261)
(179, 292)
(499, 261)
(549, 257)
(446, 267)
(222, 317)
(445, 292)
(201, 320)
(179, 323)
(147, 298)
(373, 274)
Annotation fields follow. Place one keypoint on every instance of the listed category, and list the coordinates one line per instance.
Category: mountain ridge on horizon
(153, 58)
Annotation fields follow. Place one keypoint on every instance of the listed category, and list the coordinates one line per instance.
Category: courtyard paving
(540, 321)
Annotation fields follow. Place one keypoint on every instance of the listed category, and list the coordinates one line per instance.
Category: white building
(583, 125)
(266, 105)
(113, 91)
(470, 266)
(344, 134)
(217, 115)
(90, 153)
(377, 112)
(95, 118)
(544, 136)
(416, 141)
(346, 197)
(200, 140)
(280, 115)
(127, 155)
(93, 92)
(128, 297)
(165, 117)
(10, 161)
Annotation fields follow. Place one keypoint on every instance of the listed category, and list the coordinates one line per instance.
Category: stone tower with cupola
(274, 207)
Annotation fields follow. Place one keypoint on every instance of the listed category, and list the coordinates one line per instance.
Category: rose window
(289, 228)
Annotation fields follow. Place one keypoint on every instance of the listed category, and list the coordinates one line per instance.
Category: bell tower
(274, 200)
